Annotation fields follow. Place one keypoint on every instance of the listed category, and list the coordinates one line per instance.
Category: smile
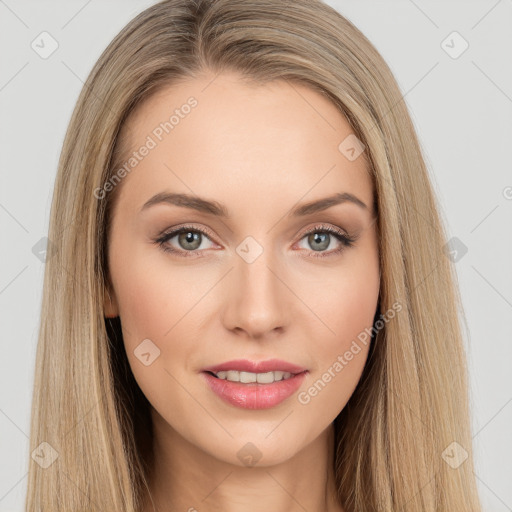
(249, 377)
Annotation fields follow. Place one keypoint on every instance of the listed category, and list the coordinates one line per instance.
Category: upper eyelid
(176, 230)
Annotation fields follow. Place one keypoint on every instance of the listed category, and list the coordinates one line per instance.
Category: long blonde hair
(411, 403)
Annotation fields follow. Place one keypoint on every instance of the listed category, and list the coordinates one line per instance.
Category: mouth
(244, 377)
(254, 385)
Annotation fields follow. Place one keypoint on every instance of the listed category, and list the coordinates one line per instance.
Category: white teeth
(267, 378)
(248, 377)
(232, 376)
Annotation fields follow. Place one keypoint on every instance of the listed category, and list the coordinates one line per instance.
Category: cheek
(153, 301)
(346, 306)
(153, 294)
(345, 303)
(340, 357)
(158, 301)
(140, 295)
(353, 310)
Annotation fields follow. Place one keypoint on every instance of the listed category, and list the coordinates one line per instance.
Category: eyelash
(346, 240)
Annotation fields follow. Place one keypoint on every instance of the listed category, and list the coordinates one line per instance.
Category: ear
(110, 307)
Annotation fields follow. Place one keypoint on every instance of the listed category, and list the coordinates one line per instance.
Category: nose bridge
(257, 299)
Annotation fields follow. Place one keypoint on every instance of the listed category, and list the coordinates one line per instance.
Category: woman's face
(255, 276)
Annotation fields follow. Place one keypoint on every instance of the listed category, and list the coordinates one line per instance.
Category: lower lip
(254, 395)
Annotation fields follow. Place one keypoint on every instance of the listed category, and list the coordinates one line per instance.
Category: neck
(185, 478)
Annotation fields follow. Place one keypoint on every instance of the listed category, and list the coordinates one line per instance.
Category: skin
(258, 150)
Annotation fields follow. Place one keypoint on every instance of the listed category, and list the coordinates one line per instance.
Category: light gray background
(462, 109)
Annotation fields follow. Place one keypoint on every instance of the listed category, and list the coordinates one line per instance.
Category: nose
(257, 301)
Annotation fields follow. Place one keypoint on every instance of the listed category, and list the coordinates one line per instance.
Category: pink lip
(254, 396)
(244, 365)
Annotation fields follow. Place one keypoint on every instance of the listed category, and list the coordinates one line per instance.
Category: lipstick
(254, 395)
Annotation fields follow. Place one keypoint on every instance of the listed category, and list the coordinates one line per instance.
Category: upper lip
(244, 365)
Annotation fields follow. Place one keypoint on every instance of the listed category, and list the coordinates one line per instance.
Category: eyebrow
(217, 209)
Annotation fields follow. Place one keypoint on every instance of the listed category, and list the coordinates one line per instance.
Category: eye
(321, 237)
(189, 239)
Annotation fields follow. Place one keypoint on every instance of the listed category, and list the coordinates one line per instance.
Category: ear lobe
(110, 306)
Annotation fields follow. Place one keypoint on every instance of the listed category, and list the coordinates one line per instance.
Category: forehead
(220, 136)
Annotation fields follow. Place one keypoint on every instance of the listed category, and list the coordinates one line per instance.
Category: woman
(249, 306)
